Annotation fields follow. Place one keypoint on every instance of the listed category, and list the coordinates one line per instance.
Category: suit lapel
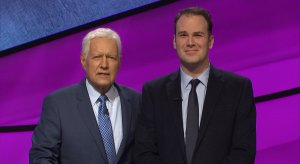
(215, 83)
(175, 102)
(126, 119)
(86, 112)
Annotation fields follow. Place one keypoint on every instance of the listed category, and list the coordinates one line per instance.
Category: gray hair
(100, 33)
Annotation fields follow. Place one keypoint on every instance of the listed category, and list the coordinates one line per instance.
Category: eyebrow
(98, 53)
(181, 32)
(185, 32)
(199, 32)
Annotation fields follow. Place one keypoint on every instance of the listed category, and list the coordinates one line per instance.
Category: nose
(104, 64)
(190, 41)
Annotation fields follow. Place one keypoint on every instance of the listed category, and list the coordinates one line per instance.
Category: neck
(101, 89)
(194, 70)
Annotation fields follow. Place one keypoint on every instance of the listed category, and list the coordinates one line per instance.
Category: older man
(92, 122)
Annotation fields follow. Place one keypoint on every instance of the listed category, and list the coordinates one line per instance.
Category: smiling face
(192, 41)
(101, 64)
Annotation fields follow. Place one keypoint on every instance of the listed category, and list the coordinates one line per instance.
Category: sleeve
(243, 148)
(146, 150)
(46, 139)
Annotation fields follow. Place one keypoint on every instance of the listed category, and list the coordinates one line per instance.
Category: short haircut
(195, 11)
(100, 33)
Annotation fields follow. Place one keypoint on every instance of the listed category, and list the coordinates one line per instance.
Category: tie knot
(194, 83)
(102, 98)
(102, 107)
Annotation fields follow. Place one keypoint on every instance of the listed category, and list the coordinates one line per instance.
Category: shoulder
(68, 90)
(64, 99)
(129, 96)
(228, 76)
(126, 91)
(67, 94)
(230, 79)
(163, 81)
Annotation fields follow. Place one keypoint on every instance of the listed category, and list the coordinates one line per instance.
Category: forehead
(103, 44)
(191, 23)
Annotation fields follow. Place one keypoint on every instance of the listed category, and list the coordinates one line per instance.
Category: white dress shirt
(185, 90)
(114, 109)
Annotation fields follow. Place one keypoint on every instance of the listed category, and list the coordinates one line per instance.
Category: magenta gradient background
(257, 39)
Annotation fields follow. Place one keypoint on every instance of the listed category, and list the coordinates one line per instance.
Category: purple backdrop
(260, 40)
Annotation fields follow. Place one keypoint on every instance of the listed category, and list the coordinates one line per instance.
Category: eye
(183, 35)
(199, 35)
(97, 56)
(112, 57)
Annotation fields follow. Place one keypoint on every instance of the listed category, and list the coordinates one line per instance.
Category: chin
(193, 62)
(104, 83)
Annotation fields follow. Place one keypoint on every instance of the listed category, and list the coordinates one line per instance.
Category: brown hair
(195, 11)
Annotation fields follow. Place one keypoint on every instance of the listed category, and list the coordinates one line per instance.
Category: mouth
(190, 52)
(103, 73)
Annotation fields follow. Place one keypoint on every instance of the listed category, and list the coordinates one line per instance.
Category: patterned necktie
(106, 130)
(192, 122)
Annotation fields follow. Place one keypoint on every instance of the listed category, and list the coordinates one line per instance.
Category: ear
(174, 42)
(82, 60)
(119, 64)
(211, 41)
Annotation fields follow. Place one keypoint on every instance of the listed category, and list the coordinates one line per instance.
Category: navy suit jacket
(227, 133)
(68, 133)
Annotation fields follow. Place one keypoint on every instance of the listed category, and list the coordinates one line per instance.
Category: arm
(146, 151)
(244, 136)
(46, 138)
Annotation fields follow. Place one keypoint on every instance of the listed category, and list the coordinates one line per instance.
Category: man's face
(192, 40)
(102, 63)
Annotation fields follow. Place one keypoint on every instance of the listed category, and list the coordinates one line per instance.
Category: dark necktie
(106, 130)
(192, 122)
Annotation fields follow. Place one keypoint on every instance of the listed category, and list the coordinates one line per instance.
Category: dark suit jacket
(68, 133)
(227, 133)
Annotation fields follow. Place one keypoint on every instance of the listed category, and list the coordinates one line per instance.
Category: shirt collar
(94, 94)
(185, 78)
